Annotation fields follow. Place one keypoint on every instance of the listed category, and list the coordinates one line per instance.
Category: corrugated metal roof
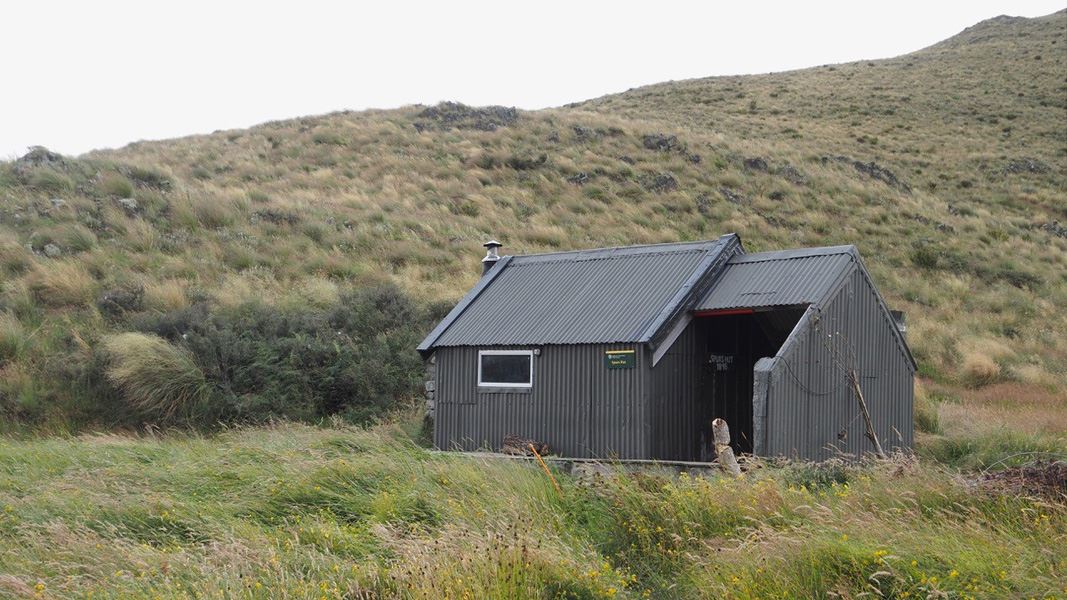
(583, 297)
(783, 278)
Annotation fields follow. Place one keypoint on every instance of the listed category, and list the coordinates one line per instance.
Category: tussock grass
(304, 512)
(156, 378)
(59, 284)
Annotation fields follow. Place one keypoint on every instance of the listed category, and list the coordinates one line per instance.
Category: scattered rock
(693, 158)
(449, 115)
(52, 251)
(57, 203)
(525, 163)
(129, 204)
(584, 134)
(39, 156)
(628, 160)
(662, 143)
(276, 217)
(792, 174)
(872, 170)
(1026, 165)
(1054, 228)
(579, 178)
(756, 164)
(732, 196)
(658, 182)
(119, 301)
(704, 204)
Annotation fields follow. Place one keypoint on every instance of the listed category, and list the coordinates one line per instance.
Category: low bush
(355, 359)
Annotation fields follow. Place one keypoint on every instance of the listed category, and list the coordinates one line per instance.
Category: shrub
(157, 379)
(115, 185)
(355, 359)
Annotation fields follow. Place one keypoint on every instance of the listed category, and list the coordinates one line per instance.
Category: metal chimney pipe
(491, 255)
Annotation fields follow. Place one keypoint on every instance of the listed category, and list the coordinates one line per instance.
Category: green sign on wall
(620, 359)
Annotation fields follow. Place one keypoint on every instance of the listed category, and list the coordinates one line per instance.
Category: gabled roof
(781, 278)
(808, 276)
(607, 295)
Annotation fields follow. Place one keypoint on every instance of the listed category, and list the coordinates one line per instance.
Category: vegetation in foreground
(293, 511)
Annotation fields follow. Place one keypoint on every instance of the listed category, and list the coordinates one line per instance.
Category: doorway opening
(733, 341)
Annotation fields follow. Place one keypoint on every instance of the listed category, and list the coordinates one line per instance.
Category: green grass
(287, 272)
(303, 512)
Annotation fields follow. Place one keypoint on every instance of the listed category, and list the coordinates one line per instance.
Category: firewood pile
(520, 446)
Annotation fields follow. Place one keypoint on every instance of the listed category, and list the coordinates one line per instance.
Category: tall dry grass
(156, 378)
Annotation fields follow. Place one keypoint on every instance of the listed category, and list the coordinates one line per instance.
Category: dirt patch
(1045, 479)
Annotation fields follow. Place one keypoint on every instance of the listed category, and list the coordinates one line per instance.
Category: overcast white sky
(80, 75)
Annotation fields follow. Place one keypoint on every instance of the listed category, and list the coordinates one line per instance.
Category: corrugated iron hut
(632, 352)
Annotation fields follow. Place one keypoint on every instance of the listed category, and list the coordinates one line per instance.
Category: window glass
(502, 368)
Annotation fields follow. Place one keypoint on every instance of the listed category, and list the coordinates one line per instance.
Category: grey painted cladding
(585, 297)
(812, 412)
(577, 406)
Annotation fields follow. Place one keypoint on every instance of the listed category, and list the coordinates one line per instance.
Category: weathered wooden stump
(727, 461)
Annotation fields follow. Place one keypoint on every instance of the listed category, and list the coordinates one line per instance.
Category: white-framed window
(505, 368)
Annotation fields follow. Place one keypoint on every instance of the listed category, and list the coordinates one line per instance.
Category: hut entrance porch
(733, 341)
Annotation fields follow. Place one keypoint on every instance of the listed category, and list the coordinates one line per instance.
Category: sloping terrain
(947, 167)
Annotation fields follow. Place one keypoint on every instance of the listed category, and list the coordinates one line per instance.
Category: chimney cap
(492, 244)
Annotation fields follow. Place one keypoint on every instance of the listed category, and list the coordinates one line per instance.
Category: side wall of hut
(811, 409)
(577, 405)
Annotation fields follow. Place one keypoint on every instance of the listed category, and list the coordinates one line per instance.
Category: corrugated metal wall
(678, 403)
(812, 410)
(577, 405)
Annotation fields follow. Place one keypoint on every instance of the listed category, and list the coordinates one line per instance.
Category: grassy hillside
(947, 167)
(299, 512)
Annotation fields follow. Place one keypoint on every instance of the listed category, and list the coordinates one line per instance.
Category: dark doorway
(734, 341)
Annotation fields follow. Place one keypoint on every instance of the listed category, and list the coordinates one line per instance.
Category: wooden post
(871, 435)
(727, 460)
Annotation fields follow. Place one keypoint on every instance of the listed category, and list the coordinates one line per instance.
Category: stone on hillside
(661, 142)
(1026, 165)
(57, 202)
(579, 178)
(872, 170)
(119, 301)
(130, 204)
(792, 174)
(732, 196)
(583, 134)
(659, 182)
(52, 250)
(756, 163)
(449, 115)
